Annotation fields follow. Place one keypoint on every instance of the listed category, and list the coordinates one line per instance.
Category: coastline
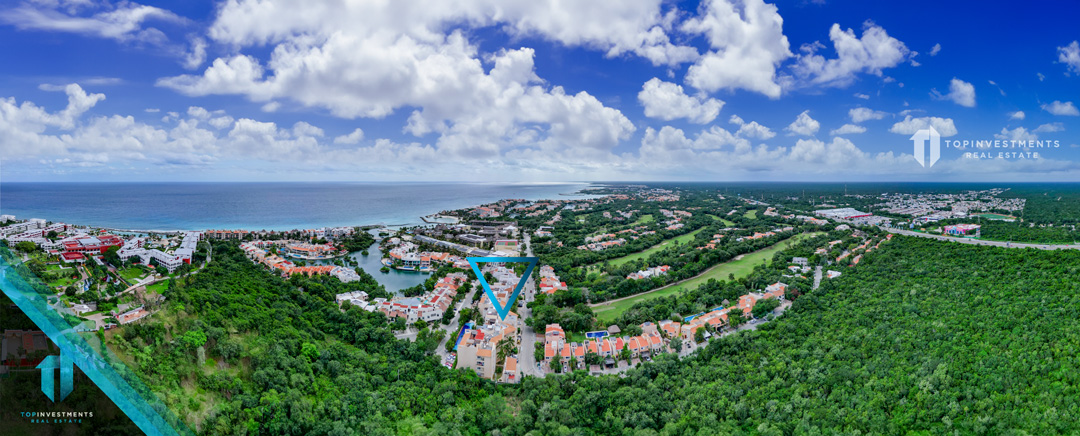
(201, 206)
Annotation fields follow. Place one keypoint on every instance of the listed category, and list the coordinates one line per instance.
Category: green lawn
(63, 281)
(132, 273)
(723, 221)
(740, 268)
(56, 267)
(649, 251)
(645, 219)
(158, 287)
(751, 214)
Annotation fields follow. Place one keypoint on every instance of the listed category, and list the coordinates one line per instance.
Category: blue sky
(486, 90)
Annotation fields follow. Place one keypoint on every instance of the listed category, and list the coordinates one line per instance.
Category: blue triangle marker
(500, 309)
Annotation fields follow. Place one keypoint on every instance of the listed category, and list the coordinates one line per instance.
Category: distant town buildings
(845, 213)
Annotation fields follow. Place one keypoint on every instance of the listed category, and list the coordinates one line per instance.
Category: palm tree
(504, 348)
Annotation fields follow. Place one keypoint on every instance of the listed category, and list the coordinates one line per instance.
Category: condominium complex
(169, 259)
(428, 307)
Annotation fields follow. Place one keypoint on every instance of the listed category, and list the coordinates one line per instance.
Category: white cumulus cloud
(1050, 128)
(353, 137)
(960, 92)
(861, 114)
(910, 125)
(120, 21)
(747, 44)
(667, 101)
(847, 129)
(871, 54)
(804, 125)
(1070, 56)
(1061, 108)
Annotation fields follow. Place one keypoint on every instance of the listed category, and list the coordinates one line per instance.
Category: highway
(983, 241)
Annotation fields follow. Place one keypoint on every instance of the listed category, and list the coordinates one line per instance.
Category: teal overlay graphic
(499, 308)
(80, 346)
(48, 368)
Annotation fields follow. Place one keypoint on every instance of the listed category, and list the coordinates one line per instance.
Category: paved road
(983, 241)
(452, 329)
(526, 361)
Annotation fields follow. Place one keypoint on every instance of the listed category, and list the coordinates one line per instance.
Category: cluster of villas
(716, 239)
(486, 212)
(676, 213)
(549, 281)
(605, 345)
(859, 251)
(654, 338)
(404, 256)
(801, 265)
(760, 235)
(428, 307)
(649, 272)
(718, 317)
(303, 250)
(636, 232)
(259, 252)
(597, 243)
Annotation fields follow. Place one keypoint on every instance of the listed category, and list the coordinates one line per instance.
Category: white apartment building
(171, 261)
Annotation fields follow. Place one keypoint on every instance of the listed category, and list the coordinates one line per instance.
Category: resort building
(181, 255)
(226, 234)
(302, 250)
(31, 224)
(90, 245)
